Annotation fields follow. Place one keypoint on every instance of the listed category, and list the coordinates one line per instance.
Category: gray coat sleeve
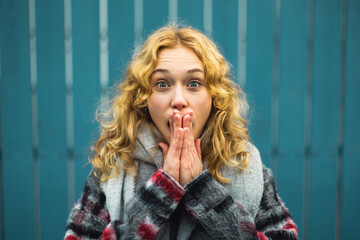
(221, 217)
(151, 207)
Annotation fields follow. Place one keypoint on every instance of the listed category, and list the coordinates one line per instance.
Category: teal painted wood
(155, 15)
(121, 37)
(86, 86)
(191, 13)
(16, 130)
(259, 73)
(325, 118)
(351, 183)
(16, 121)
(51, 105)
(293, 59)
(225, 30)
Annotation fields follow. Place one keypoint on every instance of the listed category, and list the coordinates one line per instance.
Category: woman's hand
(190, 160)
(182, 159)
(172, 154)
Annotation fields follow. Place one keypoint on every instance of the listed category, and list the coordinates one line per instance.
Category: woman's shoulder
(247, 185)
(253, 152)
(255, 164)
(95, 186)
(92, 187)
(255, 159)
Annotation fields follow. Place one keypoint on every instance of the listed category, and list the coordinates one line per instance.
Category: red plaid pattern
(89, 218)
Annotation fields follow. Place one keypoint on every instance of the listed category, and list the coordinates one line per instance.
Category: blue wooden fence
(299, 62)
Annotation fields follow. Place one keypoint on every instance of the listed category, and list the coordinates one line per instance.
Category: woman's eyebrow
(195, 70)
(160, 70)
(165, 71)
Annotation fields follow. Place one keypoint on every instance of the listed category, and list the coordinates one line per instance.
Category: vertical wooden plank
(121, 37)
(308, 119)
(69, 103)
(208, 17)
(173, 10)
(154, 17)
(326, 75)
(291, 115)
(225, 28)
(138, 22)
(52, 134)
(275, 93)
(15, 121)
(34, 116)
(259, 73)
(190, 13)
(2, 220)
(351, 183)
(341, 120)
(86, 84)
(104, 47)
(242, 42)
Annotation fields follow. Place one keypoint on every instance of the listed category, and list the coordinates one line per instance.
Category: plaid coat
(162, 209)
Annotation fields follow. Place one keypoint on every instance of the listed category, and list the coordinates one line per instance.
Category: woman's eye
(194, 84)
(162, 85)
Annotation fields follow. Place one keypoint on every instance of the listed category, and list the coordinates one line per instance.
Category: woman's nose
(179, 100)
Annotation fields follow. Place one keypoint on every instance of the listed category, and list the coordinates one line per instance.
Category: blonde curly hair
(225, 135)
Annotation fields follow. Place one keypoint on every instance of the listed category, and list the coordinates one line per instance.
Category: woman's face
(178, 84)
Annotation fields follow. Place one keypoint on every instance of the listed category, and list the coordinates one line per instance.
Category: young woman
(174, 160)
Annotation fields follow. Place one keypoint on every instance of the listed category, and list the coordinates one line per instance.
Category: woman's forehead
(178, 55)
